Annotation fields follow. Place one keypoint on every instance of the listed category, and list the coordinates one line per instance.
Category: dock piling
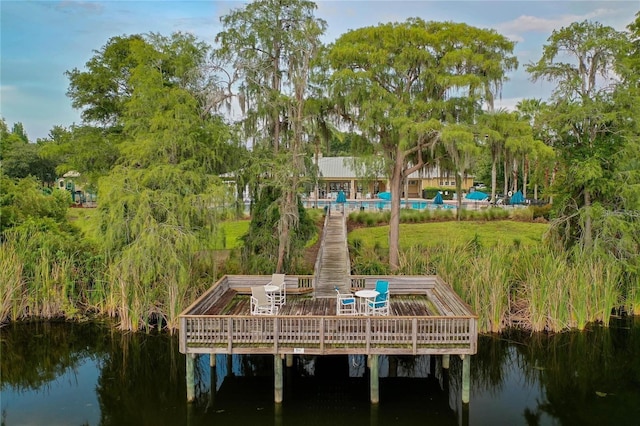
(374, 378)
(191, 385)
(278, 378)
(466, 377)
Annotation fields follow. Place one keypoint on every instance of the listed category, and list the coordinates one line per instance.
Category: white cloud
(528, 23)
(508, 104)
(6, 89)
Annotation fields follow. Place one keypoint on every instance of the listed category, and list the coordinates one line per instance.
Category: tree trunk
(553, 179)
(506, 177)
(395, 182)
(458, 196)
(525, 177)
(514, 172)
(276, 88)
(494, 179)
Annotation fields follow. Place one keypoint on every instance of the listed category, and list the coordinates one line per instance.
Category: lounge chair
(279, 296)
(261, 304)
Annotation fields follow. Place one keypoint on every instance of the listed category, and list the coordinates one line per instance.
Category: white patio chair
(261, 304)
(379, 305)
(345, 304)
(279, 296)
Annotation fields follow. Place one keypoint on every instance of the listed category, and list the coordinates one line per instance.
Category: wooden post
(212, 360)
(191, 384)
(289, 358)
(445, 361)
(277, 378)
(373, 378)
(466, 377)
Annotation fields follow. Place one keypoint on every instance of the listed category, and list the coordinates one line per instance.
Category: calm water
(87, 374)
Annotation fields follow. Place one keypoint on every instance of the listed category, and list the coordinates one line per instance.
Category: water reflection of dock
(317, 385)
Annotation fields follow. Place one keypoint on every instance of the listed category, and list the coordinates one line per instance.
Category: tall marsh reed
(536, 289)
(45, 270)
(12, 283)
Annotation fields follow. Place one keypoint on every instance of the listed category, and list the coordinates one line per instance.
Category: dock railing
(327, 335)
(452, 331)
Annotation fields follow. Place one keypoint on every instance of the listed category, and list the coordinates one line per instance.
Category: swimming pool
(376, 205)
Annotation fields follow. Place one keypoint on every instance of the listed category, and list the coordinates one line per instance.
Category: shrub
(523, 215)
(355, 245)
(443, 214)
(496, 213)
(541, 211)
(369, 262)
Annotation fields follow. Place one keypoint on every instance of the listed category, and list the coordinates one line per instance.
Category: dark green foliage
(260, 244)
(430, 193)
(102, 91)
(26, 160)
(369, 218)
(24, 198)
(20, 159)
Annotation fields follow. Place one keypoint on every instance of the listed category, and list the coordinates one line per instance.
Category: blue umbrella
(384, 195)
(341, 198)
(477, 196)
(438, 199)
(517, 198)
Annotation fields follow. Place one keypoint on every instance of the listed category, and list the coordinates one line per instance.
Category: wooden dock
(332, 265)
(426, 317)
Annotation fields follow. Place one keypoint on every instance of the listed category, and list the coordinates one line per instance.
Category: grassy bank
(452, 232)
(504, 270)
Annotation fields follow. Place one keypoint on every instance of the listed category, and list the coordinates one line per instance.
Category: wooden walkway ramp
(332, 265)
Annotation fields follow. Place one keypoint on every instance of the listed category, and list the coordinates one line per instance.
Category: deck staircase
(332, 265)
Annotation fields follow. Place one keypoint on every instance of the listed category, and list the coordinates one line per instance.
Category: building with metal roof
(359, 180)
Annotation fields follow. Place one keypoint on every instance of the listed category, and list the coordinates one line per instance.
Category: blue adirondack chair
(380, 305)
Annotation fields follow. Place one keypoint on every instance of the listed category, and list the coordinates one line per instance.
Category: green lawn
(84, 219)
(426, 234)
(229, 234)
(432, 233)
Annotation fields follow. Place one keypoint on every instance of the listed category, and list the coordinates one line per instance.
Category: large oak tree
(401, 83)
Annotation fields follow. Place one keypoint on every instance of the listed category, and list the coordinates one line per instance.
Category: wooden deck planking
(333, 265)
(233, 303)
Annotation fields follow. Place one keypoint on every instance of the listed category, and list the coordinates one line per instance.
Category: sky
(40, 40)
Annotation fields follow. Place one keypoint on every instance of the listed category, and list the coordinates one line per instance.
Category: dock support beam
(374, 379)
(191, 384)
(466, 377)
(289, 358)
(445, 361)
(278, 376)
